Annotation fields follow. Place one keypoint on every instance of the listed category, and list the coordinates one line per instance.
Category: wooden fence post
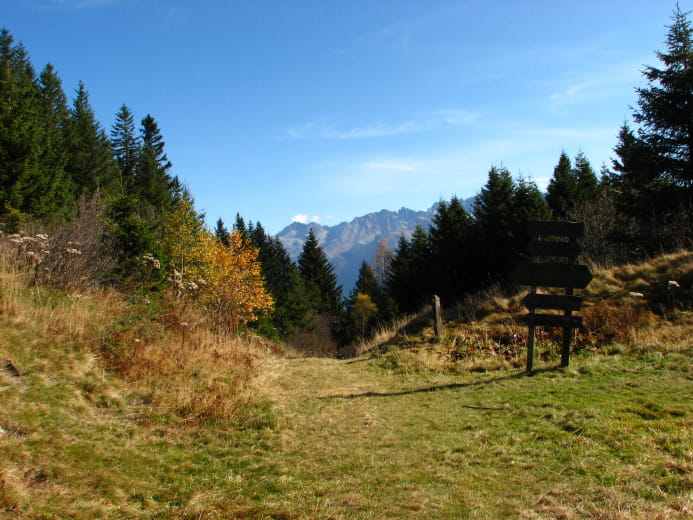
(438, 327)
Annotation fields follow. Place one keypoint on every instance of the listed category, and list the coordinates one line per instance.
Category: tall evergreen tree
(665, 106)
(587, 184)
(221, 232)
(495, 215)
(20, 123)
(32, 158)
(409, 282)
(528, 204)
(319, 278)
(90, 162)
(398, 276)
(562, 189)
(126, 147)
(640, 190)
(452, 249)
(152, 180)
(283, 281)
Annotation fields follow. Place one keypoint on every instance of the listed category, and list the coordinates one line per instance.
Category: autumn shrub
(224, 279)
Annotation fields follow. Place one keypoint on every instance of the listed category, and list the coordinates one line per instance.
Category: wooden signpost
(566, 274)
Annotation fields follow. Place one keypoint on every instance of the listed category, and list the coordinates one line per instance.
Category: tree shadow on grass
(450, 386)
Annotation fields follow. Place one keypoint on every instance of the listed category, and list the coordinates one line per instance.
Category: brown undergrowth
(176, 369)
(630, 307)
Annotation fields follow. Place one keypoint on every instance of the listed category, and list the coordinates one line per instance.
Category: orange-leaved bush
(226, 280)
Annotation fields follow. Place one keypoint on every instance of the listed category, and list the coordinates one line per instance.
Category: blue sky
(327, 110)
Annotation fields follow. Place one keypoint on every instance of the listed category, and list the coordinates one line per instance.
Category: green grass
(609, 437)
(394, 434)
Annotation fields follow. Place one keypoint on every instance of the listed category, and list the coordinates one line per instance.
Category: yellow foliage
(235, 290)
(226, 280)
(364, 311)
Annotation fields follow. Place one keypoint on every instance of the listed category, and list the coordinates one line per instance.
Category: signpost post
(562, 244)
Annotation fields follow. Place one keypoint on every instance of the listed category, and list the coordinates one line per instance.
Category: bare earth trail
(355, 440)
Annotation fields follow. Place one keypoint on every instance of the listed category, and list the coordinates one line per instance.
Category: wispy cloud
(73, 4)
(325, 129)
(606, 83)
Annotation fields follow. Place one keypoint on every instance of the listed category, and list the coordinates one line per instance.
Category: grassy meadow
(124, 408)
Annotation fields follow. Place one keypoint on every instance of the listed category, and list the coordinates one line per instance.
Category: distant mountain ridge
(348, 244)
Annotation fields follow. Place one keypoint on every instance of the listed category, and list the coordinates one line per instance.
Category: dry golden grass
(640, 307)
(174, 363)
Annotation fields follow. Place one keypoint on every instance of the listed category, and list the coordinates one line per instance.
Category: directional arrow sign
(554, 228)
(576, 276)
(559, 302)
(546, 248)
(553, 320)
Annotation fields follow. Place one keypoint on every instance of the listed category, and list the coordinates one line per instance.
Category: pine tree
(451, 250)
(398, 276)
(284, 283)
(665, 106)
(90, 162)
(20, 124)
(562, 190)
(528, 204)
(32, 157)
(587, 185)
(641, 192)
(152, 180)
(126, 147)
(221, 232)
(495, 215)
(319, 278)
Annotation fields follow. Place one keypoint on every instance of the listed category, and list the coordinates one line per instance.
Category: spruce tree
(665, 106)
(562, 189)
(221, 232)
(152, 180)
(21, 129)
(126, 147)
(90, 162)
(398, 276)
(283, 281)
(587, 185)
(495, 215)
(319, 278)
(452, 250)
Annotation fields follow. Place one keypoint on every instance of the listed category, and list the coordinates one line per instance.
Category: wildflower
(192, 286)
(152, 261)
(73, 251)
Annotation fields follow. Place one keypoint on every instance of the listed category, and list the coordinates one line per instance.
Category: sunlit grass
(179, 424)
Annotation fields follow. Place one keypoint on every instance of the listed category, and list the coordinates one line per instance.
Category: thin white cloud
(324, 129)
(389, 165)
(74, 4)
